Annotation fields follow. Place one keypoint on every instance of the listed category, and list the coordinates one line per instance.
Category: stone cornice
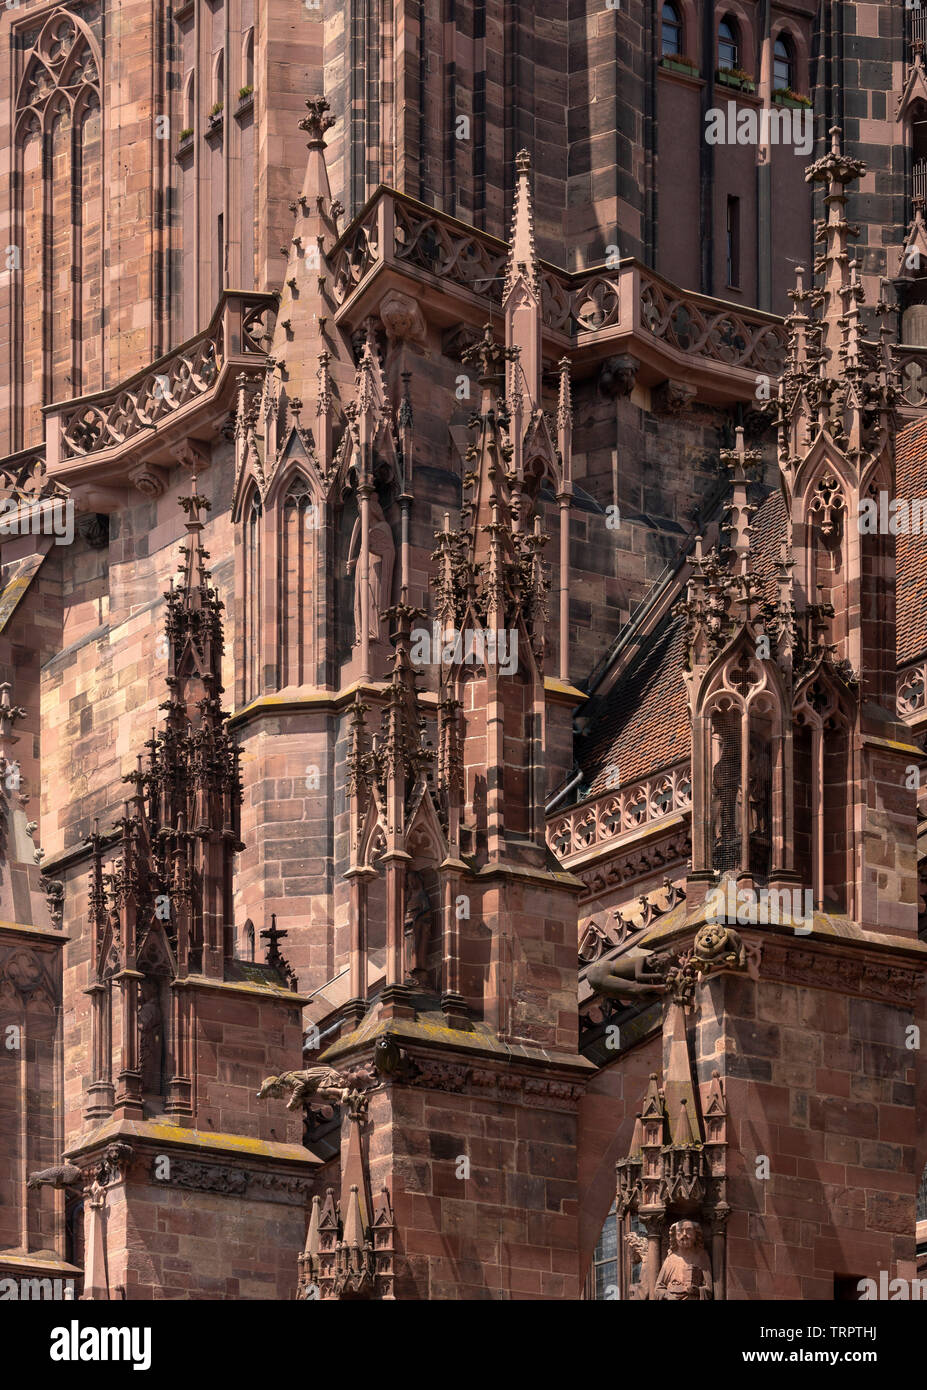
(161, 1137)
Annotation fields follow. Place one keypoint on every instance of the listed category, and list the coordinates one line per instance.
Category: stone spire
(835, 170)
(194, 627)
(369, 411)
(741, 463)
(168, 907)
(310, 360)
(521, 299)
(491, 503)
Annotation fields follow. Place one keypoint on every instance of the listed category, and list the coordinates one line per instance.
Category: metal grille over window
(726, 791)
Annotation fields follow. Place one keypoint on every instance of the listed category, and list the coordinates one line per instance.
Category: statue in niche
(685, 1275)
(380, 577)
(759, 795)
(150, 1036)
(416, 927)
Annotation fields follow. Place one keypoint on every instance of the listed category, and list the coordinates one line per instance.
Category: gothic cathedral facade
(463, 649)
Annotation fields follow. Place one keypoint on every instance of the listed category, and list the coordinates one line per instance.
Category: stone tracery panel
(58, 214)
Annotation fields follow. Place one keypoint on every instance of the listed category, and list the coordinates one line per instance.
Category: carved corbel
(94, 529)
(96, 497)
(150, 481)
(402, 318)
(673, 397)
(617, 375)
(190, 453)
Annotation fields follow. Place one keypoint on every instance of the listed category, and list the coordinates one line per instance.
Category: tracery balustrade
(584, 827)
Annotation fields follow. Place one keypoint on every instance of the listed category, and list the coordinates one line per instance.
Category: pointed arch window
(617, 1260)
(783, 64)
(253, 611)
(189, 101)
(299, 529)
(728, 47)
(603, 1277)
(57, 212)
(247, 61)
(218, 81)
(745, 769)
(671, 32)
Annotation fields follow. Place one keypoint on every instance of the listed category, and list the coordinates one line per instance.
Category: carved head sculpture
(685, 1235)
(716, 943)
(271, 1086)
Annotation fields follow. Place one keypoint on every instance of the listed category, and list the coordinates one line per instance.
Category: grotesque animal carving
(635, 973)
(717, 945)
(318, 1083)
(63, 1175)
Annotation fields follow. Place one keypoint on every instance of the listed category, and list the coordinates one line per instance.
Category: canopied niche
(743, 751)
(824, 832)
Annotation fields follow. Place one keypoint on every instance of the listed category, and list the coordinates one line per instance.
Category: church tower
(474, 1028)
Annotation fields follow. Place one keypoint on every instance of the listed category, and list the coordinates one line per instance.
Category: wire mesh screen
(760, 805)
(726, 791)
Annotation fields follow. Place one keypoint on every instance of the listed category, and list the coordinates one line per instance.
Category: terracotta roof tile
(643, 724)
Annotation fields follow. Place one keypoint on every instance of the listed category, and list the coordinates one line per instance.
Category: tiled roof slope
(911, 590)
(643, 723)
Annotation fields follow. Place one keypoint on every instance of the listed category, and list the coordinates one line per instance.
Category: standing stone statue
(685, 1275)
(380, 576)
(417, 927)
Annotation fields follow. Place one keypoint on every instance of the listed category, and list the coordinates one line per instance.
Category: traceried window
(783, 64)
(218, 80)
(247, 60)
(727, 45)
(672, 32)
(252, 598)
(603, 1279)
(57, 181)
(617, 1263)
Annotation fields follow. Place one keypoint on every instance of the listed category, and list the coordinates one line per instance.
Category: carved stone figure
(719, 945)
(318, 1083)
(402, 317)
(685, 1275)
(637, 1249)
(416, 926)
(321, 1084)
(150, 1036)
(61, 1176)
(635, 973)
(380, 578)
